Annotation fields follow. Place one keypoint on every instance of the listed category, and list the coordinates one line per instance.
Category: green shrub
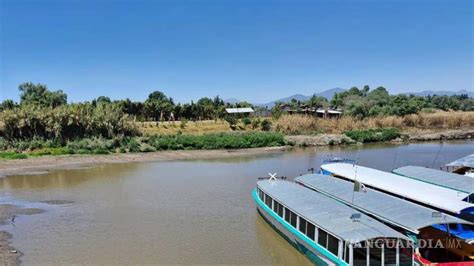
(12, 155)
(216, 141)
(183, 123)
(255, 123)
(373, 135)
(246, 121)
(266, 125)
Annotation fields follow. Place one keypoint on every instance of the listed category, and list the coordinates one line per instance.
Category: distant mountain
(442, 93)
(328, 94)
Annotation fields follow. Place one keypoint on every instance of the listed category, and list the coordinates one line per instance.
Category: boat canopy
(421, 192)
(389, 209)
(326, 213)
(467, 161)
(441, 178)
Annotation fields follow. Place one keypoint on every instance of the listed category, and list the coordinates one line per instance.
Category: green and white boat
(327, 231)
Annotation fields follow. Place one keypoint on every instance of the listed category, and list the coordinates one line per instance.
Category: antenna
(437, 154)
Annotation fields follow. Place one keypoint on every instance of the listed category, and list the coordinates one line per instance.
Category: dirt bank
(46, 164)
(428, 135)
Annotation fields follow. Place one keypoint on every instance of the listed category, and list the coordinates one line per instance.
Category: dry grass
(198, 127)
(301, 124)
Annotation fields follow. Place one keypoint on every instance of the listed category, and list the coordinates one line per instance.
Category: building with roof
(244, 110)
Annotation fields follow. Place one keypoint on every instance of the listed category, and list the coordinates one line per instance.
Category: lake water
(187, 212)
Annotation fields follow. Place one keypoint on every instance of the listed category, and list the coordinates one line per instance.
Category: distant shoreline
(49, 163)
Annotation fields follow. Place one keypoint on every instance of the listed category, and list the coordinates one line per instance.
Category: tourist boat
(463, 166)
(327, 231)
(453, 181)
(437, 197)
(418, 222)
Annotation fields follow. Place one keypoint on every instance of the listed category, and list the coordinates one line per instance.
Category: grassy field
(300, 124)
(303, 124)
(189, 127)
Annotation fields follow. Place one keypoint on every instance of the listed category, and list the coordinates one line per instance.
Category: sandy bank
(46, 164)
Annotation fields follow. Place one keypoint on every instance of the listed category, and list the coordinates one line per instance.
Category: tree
(317, 101)
(7, 105)
(38, 94)
(158, 106)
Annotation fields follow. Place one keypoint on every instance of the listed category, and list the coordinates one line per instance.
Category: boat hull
(285, 230)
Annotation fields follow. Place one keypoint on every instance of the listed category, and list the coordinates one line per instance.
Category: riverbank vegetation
(100, 145)
(440, 120)
(43, 123)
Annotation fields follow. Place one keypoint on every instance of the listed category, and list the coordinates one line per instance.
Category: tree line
(364, 102)
(157, 107)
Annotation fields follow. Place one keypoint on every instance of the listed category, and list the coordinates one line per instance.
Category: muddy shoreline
(47, 164)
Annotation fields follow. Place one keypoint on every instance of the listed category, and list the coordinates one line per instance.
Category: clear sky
(236, 49)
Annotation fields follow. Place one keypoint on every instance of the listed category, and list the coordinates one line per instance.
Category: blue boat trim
(298, 234)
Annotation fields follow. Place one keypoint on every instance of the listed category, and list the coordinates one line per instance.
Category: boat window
(275, 206)
(280, 210)
(346, 253)
(359, 255)
(375, 254)
(268, 201)
(310, 228)
(333, 245)
(405, 254)
(260, 193)
(302, 225)
(322, 237)
(453, 227)
(467, 227)
(390, 253)
(293, 219)
(470, 198)
(287, 215)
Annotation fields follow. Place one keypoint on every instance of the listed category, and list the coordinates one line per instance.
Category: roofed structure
(245, 110)
(437, 177)
(467, 161)
(387, 208)
(431, 195)
(327, 213)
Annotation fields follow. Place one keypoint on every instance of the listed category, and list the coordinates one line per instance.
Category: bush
(266, 125)
(12, 155)
(216, 141)
(183, 123)
(373, 135)
(255, 123)
(246, 121)
(232, 121)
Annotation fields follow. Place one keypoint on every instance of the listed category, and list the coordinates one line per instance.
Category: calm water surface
(187, 212)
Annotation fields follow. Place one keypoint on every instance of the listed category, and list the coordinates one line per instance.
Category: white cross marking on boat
(272, 176)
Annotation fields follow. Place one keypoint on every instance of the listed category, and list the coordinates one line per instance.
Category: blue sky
(236, 49)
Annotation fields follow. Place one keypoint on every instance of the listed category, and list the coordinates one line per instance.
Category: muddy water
(187, 212)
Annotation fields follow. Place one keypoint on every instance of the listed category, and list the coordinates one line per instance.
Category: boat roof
(429, 194)
(327, 213)
(467, 161)
(396, 211)
(441, 178)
